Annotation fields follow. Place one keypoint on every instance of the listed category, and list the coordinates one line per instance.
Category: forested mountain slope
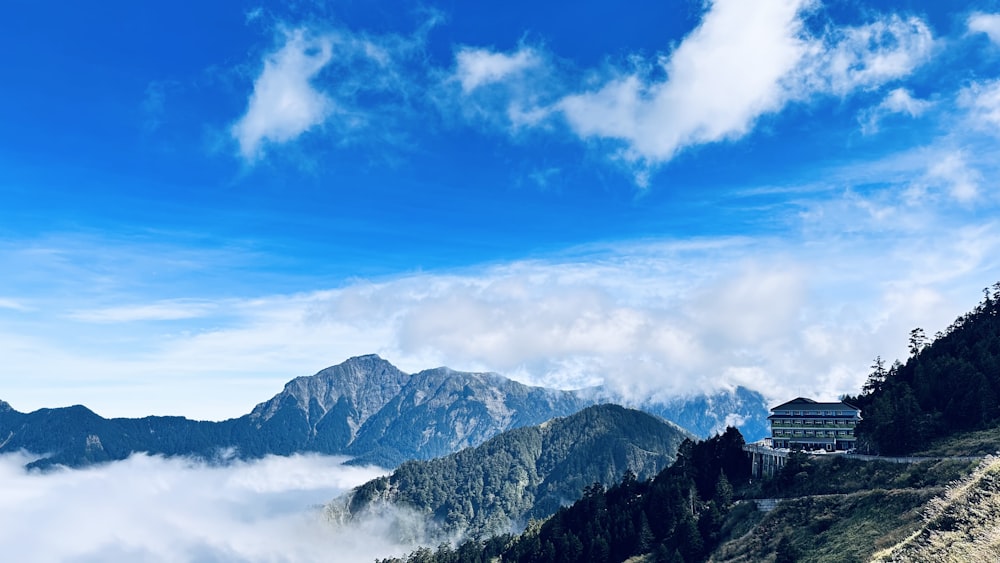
(677, 515)
(523, 473)
(949, 384)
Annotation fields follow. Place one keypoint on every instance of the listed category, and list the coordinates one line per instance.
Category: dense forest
(523, 473)
(677, 515)
(948, 384)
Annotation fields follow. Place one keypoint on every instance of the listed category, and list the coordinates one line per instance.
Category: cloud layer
(154, 509)
(799, 313)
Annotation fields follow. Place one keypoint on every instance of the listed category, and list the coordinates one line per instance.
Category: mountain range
(365, 408)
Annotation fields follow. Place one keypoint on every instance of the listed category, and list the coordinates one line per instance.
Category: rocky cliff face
(440, 411)
(328, 409)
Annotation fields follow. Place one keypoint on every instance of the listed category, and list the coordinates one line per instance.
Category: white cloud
(720, 79)
(512, 91)
(982, 100)
(986, 23)
(154, 509)
(12, 304)
(169, 310)
(962, 181)
(859, 259)
(866, 56)
(742, 62)
(284, 103)
(802, 314)
(897, 101)
(475, 68)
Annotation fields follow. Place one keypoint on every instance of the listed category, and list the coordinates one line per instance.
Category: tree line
(948, 384)
(677, 516)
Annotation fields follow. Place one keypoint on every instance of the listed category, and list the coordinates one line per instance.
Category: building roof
(802, 403)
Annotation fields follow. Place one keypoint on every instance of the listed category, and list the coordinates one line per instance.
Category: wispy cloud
(284, 103)
(162, 311)
(961, 181)
(350, 83)
(479, 67)
(12, 304)
(986, 23)
(153, 509)
(982, 101)
(897, 101)
(865, 57)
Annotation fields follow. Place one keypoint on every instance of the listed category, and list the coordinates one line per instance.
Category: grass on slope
(835, 509)
(822, 475)
(830, 528)
(979, 442)
(962, 525)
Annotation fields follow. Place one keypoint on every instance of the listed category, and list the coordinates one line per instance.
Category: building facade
(804, 424)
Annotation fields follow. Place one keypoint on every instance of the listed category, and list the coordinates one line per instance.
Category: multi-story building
(808, 425)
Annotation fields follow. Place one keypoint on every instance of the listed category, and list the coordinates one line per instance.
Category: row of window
(818, 413)
(814, 423)
(810, 433)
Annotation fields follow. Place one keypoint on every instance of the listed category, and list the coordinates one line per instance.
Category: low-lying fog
(148, 508)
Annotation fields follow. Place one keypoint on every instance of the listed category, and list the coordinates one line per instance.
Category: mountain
(524, 473)
(678, 513)
(365, 408)
(441, 411)
(705, 415)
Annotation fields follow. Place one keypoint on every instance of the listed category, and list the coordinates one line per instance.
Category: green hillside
(949, 384)
(522, 474)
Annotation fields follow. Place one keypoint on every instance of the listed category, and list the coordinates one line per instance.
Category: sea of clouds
(152, 509)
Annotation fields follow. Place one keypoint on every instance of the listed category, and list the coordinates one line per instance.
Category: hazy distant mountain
(522, 473)
(710, 414)
(364, 407)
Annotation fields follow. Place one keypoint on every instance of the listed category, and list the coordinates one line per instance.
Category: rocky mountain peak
(364, 383)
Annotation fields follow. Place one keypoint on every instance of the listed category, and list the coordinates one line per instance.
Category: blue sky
(200, 202)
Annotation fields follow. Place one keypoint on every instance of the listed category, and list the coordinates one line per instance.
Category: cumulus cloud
(740, 63)
(720, 79)
(154, 509)
(284, 103)
(986, 23)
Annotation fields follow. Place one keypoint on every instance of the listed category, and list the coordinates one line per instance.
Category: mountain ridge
(364, 407)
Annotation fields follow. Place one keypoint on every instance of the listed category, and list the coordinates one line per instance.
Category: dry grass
(980, 442)
(961, 525)
(832, 528)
